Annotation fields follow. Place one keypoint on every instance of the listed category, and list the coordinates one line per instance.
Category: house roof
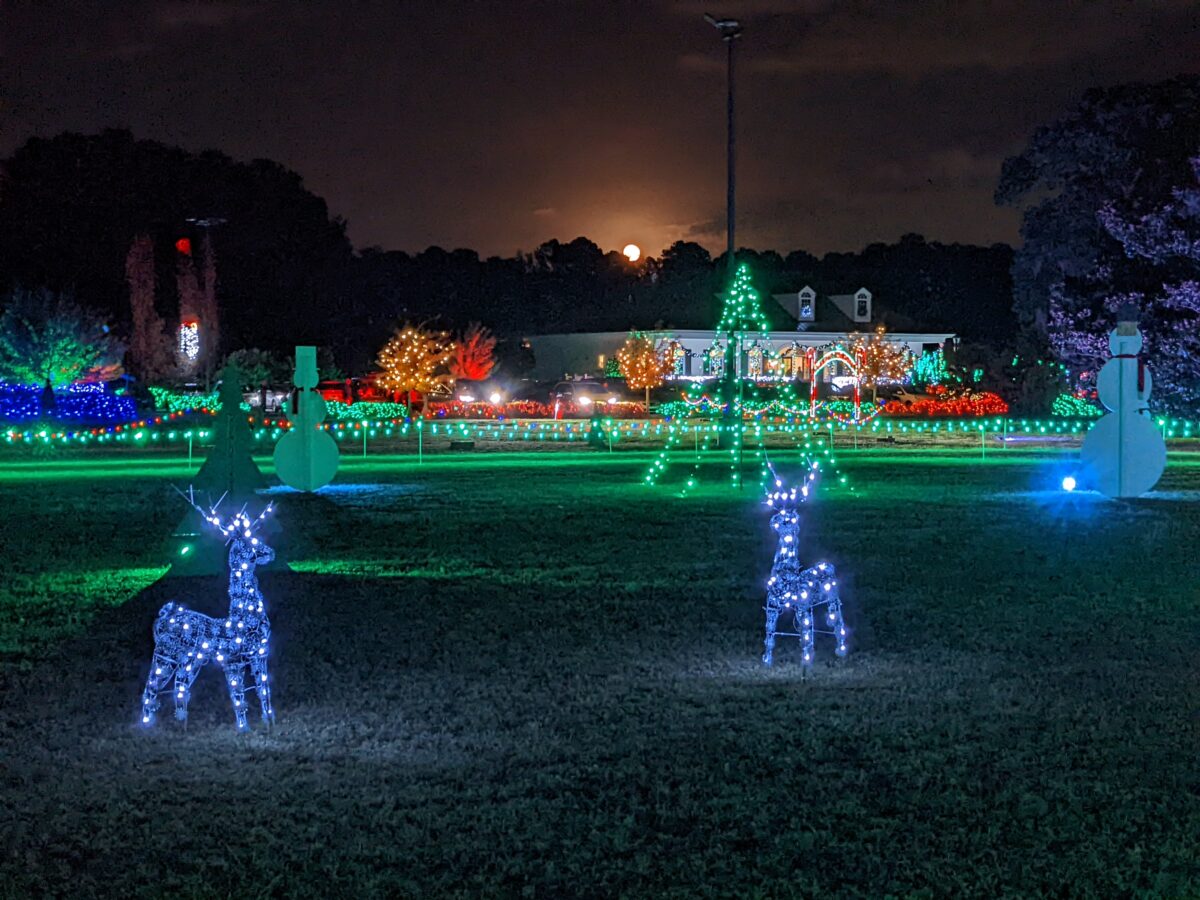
(830, 313)
(826, 314)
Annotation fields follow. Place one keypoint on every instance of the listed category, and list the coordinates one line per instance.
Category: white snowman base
(1123, 461)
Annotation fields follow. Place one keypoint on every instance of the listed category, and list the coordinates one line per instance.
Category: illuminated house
(820, 322)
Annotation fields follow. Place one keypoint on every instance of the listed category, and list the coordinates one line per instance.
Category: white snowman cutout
(1124, 454)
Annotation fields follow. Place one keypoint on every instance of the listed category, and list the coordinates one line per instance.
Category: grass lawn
(529, 675)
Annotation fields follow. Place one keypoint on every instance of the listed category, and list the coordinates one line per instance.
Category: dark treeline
(71, 205)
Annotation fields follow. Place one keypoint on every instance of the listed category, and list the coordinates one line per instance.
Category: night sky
(498, 125)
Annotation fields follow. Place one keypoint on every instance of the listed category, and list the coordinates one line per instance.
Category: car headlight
(585, 401)
(495, 398)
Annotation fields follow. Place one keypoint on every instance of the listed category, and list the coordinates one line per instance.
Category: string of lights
(173, 429)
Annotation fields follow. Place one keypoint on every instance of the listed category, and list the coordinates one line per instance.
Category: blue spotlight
(1068, 483)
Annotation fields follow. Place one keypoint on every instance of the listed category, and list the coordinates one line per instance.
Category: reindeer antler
(782, 495)
(239, 520)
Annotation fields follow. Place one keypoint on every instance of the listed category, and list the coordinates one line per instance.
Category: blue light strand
(185, 640)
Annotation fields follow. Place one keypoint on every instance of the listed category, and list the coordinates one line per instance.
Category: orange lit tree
(415, 358)
(642, 365)
(473, 359)
(882, 360)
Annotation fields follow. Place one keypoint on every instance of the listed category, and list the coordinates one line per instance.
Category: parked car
(901, 393)
(487, 391)
(586, 394)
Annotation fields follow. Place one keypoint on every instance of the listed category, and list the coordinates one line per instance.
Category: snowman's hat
(1127, 312)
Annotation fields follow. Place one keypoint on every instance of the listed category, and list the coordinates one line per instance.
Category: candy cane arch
(836, 355)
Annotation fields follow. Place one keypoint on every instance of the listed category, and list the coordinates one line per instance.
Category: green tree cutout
(47, 338)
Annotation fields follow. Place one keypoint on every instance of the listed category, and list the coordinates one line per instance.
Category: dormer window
(862, 305)
(807, 307)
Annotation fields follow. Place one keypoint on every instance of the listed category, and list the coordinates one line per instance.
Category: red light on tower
(184, 246)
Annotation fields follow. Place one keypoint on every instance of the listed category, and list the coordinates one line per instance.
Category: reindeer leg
(838, 624)
(262, 684)
(769, 641)
(161, 670)
(804, 618)
(184, 676)
(235, 680)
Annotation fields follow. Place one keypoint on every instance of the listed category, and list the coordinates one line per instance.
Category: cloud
(707, 230)
(741, 8)
(953, 167)
(181, 14)
(907, 40)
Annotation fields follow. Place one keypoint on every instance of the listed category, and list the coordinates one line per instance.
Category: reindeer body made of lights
(185, 640)
(794, 592)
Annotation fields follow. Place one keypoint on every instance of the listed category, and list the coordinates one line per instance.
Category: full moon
(632, 252)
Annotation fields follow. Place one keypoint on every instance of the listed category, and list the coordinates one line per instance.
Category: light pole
(207, 281)
(730, 30)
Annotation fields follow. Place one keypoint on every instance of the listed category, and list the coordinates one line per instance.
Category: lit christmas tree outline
(741, 316)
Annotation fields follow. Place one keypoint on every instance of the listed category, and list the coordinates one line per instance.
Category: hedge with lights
(945, 405)
(1072, 405)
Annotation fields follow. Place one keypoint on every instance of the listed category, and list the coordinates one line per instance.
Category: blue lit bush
(74, 403)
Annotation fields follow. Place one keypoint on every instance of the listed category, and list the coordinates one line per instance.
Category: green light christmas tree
(741, 315)
(728, 429)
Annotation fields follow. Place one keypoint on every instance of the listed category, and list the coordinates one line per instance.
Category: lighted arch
(836, 355)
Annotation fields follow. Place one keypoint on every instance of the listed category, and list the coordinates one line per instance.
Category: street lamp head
(206, 222)
(729, 28)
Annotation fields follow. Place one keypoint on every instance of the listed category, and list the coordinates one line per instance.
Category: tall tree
(1168, 238)
(883, 361)
(1122, 154)
(193, 348)
(415, 358)
(149, 343)
(73, 203)
(474, 354)
(642, 364)
(48, 339)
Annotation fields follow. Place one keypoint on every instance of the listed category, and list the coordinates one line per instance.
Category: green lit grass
(518, 673)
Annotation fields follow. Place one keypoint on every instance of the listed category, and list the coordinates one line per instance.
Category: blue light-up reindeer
(797, 595)
(185, 640)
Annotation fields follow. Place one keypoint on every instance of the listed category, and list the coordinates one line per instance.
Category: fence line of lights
(170, 428)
